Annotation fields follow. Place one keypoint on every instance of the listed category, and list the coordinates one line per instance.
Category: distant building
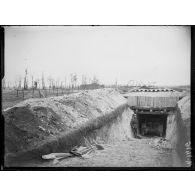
(91, 86)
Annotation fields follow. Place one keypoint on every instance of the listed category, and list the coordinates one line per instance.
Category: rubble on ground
(77, 151)
(160, 143)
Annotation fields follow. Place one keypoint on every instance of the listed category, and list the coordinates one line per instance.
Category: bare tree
(95, 80)
(57, 82)
(37, 83)
(73, 80)
(3, 83)
(84, 80)
(43, 81)
(26, 79)
(65, 82)
(32, 80)
(50, 80)
(20, 82)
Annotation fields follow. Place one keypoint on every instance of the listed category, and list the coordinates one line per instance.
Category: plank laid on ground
(56, 155)
(76, 152)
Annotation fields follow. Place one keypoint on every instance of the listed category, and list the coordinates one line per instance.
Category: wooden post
(23, 93)
(17, 93)
(45, 92)
(33, 92)
(39, 93)
(57, 91)
(137, 101)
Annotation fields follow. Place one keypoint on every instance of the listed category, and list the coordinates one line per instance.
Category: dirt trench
(131, 153)
(109, 125)
(145, 152)
(149, 151)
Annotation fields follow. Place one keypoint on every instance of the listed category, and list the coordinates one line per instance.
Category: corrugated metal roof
(153, 90)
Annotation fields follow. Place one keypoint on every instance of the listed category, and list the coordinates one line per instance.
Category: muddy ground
(145, 152)
(134, 153)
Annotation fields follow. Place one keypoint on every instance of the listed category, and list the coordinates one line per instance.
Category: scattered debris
(99, 147)
(138, 137)
(161, 143)
(81, 152)
(42, 129)
(53, 156)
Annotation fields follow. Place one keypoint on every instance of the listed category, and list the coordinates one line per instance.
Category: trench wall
(65, 122)
(178, 131)
(109, 128)
(171, 131)
(118, 130)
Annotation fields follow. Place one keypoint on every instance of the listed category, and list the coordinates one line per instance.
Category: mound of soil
(34, 121)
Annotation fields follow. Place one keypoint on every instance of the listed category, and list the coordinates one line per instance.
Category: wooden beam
(156, 113)
(136, 108)
(153, 101)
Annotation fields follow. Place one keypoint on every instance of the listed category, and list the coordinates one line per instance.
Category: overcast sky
(122, 53)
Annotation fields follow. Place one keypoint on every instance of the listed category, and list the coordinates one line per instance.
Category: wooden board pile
(77, 151)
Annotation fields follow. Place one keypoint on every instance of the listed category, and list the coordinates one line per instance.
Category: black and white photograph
(97, 97)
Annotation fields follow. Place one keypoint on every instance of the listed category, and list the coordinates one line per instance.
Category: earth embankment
(39, 126)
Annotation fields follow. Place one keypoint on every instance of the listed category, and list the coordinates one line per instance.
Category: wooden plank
(146, 101)
(155, 113)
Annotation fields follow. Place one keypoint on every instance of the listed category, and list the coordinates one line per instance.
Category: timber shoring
(154, 102)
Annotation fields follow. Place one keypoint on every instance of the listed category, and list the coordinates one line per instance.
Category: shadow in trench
(151, 124)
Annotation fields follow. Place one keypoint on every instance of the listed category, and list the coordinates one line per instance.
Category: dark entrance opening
(152, 124)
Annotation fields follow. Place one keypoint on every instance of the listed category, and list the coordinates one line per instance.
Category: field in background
(11, 97)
